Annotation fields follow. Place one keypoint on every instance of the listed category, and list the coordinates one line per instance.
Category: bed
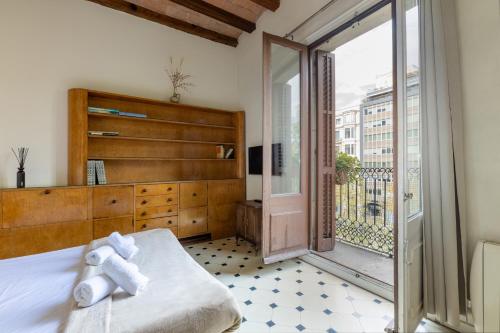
(35, 292)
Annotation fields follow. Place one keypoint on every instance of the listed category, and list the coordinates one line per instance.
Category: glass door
(285, 149)
(410, 263)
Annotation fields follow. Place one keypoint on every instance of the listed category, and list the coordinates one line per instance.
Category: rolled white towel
(124, 246)
(98, 256)
(91, 291)
(125, 274)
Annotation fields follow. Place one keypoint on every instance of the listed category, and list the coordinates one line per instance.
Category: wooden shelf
(158, 159)
(174, 142)
(160, 140)
(182, 123)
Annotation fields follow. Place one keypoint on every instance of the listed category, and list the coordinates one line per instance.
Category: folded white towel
(125, 274)
(124, 246)
(96, 257)
(91, 291)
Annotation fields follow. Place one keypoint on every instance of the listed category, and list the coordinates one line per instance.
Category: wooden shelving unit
(175, 142)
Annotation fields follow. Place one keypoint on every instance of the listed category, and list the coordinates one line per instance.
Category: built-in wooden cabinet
(175, 142)
(44, 219)
(162, 172)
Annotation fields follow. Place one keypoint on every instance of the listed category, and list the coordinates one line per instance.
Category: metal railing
(365, 210)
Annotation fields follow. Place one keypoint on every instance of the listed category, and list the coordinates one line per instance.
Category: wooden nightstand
(249, 223)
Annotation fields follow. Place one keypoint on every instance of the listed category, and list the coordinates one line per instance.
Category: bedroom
(61, 57)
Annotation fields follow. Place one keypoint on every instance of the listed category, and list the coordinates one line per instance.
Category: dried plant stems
(180, 81)
(21, 155)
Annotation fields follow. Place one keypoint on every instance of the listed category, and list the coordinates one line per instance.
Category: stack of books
(115, 112)
(132, 114)
(96, 174)
(103, 111)
(103, 133)
(223, 153)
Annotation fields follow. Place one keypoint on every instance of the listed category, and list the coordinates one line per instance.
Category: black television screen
(255, 160)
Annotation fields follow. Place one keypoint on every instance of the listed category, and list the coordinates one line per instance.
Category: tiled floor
(290, 296)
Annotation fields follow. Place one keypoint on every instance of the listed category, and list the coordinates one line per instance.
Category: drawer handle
(169, 210)
(113, 201)
(144, 190)
(194, 221)
(169, 189)
(144, 202)
(144, 226)
(169, 222)
(194, 194)
(169, 199)
(46, 192)
(143, 214)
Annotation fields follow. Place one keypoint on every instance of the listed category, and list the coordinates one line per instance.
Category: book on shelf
(103, 133)
(219, 151)
(92, 109)
(101, 173)
(229, 153)
(132, 114)
(91, 174)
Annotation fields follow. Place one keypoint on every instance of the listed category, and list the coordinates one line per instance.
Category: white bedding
(35, 291)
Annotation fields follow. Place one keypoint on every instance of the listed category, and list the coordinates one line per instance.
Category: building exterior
(348, 132)
(377, 123)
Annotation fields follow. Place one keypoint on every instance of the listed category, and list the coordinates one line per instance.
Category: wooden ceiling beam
(130, 8)
(217, 13)
(268, 4)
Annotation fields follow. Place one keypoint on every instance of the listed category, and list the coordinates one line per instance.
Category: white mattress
(35, 291)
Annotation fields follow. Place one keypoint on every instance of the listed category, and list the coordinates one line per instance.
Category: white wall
(479, 38)
(249, 52)
(49, 46)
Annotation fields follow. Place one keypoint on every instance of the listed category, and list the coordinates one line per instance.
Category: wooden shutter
(325, 93)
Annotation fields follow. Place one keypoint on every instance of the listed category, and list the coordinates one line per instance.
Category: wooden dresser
(162, 171)
(37, 220)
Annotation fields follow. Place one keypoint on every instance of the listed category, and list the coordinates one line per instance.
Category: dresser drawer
(193, 195)
(193, 221)
(155, 189)
(156, 200)
(104, 227)
(43, 206)
(161, 222)
(154, 212)
(113, 201)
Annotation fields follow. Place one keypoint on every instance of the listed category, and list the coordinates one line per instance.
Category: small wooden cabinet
(249, 223)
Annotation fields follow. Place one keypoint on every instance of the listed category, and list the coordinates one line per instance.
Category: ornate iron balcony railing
(365, 210)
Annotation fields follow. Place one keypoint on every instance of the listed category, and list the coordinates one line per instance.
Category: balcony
(365, 212)
(365, 223)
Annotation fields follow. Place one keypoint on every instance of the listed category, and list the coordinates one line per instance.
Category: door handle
(408, 196)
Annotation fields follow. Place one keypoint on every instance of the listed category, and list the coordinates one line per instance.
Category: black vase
(20, 178)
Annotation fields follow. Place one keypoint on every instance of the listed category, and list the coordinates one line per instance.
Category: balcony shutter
(325, 93)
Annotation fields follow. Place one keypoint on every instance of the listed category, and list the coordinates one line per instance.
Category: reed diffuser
(21, 155)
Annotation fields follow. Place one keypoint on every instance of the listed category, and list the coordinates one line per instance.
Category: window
(337, 135)
(338, 121)
(349, 133)
(350, 149)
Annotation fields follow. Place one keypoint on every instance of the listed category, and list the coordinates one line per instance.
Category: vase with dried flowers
(180, 81)
(21, 155)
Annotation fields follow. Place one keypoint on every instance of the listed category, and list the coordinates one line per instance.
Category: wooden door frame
(312, 47)
(268, 40)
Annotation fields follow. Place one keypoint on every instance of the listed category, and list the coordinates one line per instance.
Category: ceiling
(221, 21)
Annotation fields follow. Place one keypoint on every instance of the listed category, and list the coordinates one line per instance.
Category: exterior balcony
(365, 224)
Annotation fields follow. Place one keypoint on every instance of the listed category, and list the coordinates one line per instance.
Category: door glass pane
(285, 77)
(413, 149)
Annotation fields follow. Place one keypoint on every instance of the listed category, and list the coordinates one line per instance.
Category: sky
(362, 61)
